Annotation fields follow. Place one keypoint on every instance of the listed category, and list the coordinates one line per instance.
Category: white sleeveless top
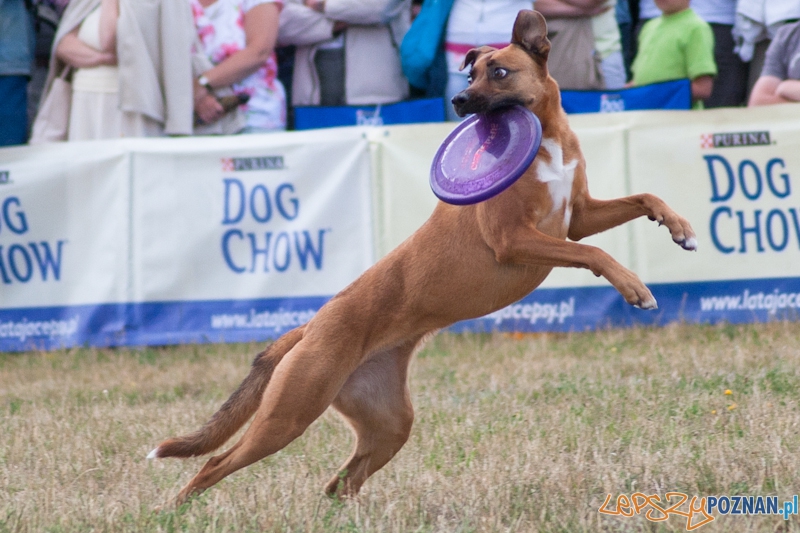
(100, 79)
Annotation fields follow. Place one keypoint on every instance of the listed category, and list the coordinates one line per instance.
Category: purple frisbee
(485, 155)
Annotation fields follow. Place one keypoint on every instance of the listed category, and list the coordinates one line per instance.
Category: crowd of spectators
(94, 69)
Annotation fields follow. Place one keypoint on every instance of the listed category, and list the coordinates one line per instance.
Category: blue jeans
(13, 110)
(17, 38)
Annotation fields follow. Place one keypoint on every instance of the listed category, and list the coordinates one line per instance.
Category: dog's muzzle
(460, 103)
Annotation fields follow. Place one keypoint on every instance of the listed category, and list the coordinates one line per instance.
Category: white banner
(147, 241)
(738, 182)
(264, 217)
(59, 206)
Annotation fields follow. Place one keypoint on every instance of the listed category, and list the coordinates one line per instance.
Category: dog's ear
(530, 32)
(473, 54)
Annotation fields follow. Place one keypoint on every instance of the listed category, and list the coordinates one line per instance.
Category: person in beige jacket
(131, 69)
(347, 51)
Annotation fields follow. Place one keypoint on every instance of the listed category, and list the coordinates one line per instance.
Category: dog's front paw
(640, 296)
(689, 243)
(633, 290)
(647, 304)
(679, 228)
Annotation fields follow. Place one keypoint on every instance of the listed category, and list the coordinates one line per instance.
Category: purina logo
(730, 140)
(5, 177)
(239, 164)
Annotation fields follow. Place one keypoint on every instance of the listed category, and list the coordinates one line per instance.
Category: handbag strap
(65, 72)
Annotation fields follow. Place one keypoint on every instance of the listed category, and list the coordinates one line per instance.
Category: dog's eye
(500, 73)
(469, 78)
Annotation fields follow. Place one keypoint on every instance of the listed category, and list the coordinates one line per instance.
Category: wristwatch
(203, 81)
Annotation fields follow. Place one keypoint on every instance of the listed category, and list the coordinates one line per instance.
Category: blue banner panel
(556, 310)
(156, 323)
(408, 112)
(589, 308)
(676, 94)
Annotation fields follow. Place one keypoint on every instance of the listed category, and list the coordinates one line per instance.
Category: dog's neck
(549, 110)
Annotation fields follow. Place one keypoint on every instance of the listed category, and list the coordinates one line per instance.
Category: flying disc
(485, 155)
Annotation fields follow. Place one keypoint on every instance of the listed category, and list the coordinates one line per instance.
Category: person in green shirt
(676, 45)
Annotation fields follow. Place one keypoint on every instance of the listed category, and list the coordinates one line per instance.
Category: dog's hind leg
(303, 385)
(375, 402)
(237, 410)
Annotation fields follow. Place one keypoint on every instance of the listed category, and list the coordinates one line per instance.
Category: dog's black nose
(460, 99)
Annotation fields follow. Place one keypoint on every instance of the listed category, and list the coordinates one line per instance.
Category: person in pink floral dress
(239, 36)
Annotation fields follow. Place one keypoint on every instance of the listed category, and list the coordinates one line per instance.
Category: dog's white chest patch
(558, 177)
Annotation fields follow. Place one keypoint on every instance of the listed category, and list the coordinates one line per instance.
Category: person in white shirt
(757, 23)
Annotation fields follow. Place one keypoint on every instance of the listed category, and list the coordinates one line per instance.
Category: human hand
(199, 92)
(107, 58)
(316, 5)
(339, 26)
(208, 109)
(78, 54)
(702, 86)
(789, 89)
(598, 10)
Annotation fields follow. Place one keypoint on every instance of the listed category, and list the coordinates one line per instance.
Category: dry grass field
(512, 434)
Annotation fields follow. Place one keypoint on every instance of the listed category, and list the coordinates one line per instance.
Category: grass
(525, 433)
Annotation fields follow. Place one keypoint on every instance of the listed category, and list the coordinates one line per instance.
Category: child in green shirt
(676, 45)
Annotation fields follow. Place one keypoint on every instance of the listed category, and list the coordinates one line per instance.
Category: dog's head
(515, 75)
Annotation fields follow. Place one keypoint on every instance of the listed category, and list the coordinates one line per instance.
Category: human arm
(362, 12)
(790, 90)
(588, 4)
(109, 14)
(765, 92)
(261, 33)
(702, 87)
(570, 8)
(319, 6)
(206, 105)
(301, 25)
(769, 88)
(701, 66)
(78, 54)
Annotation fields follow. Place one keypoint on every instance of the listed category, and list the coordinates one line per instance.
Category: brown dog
(464, 262)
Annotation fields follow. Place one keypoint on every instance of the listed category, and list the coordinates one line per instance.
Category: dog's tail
(236, 410)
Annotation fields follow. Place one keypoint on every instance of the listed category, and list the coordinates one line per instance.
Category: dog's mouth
(510, 102)
(466, 103)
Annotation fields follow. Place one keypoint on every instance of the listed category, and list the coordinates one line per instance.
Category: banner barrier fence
(675, 94)
(223, 239)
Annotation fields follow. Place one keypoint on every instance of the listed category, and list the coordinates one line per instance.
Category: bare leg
(375, 401)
